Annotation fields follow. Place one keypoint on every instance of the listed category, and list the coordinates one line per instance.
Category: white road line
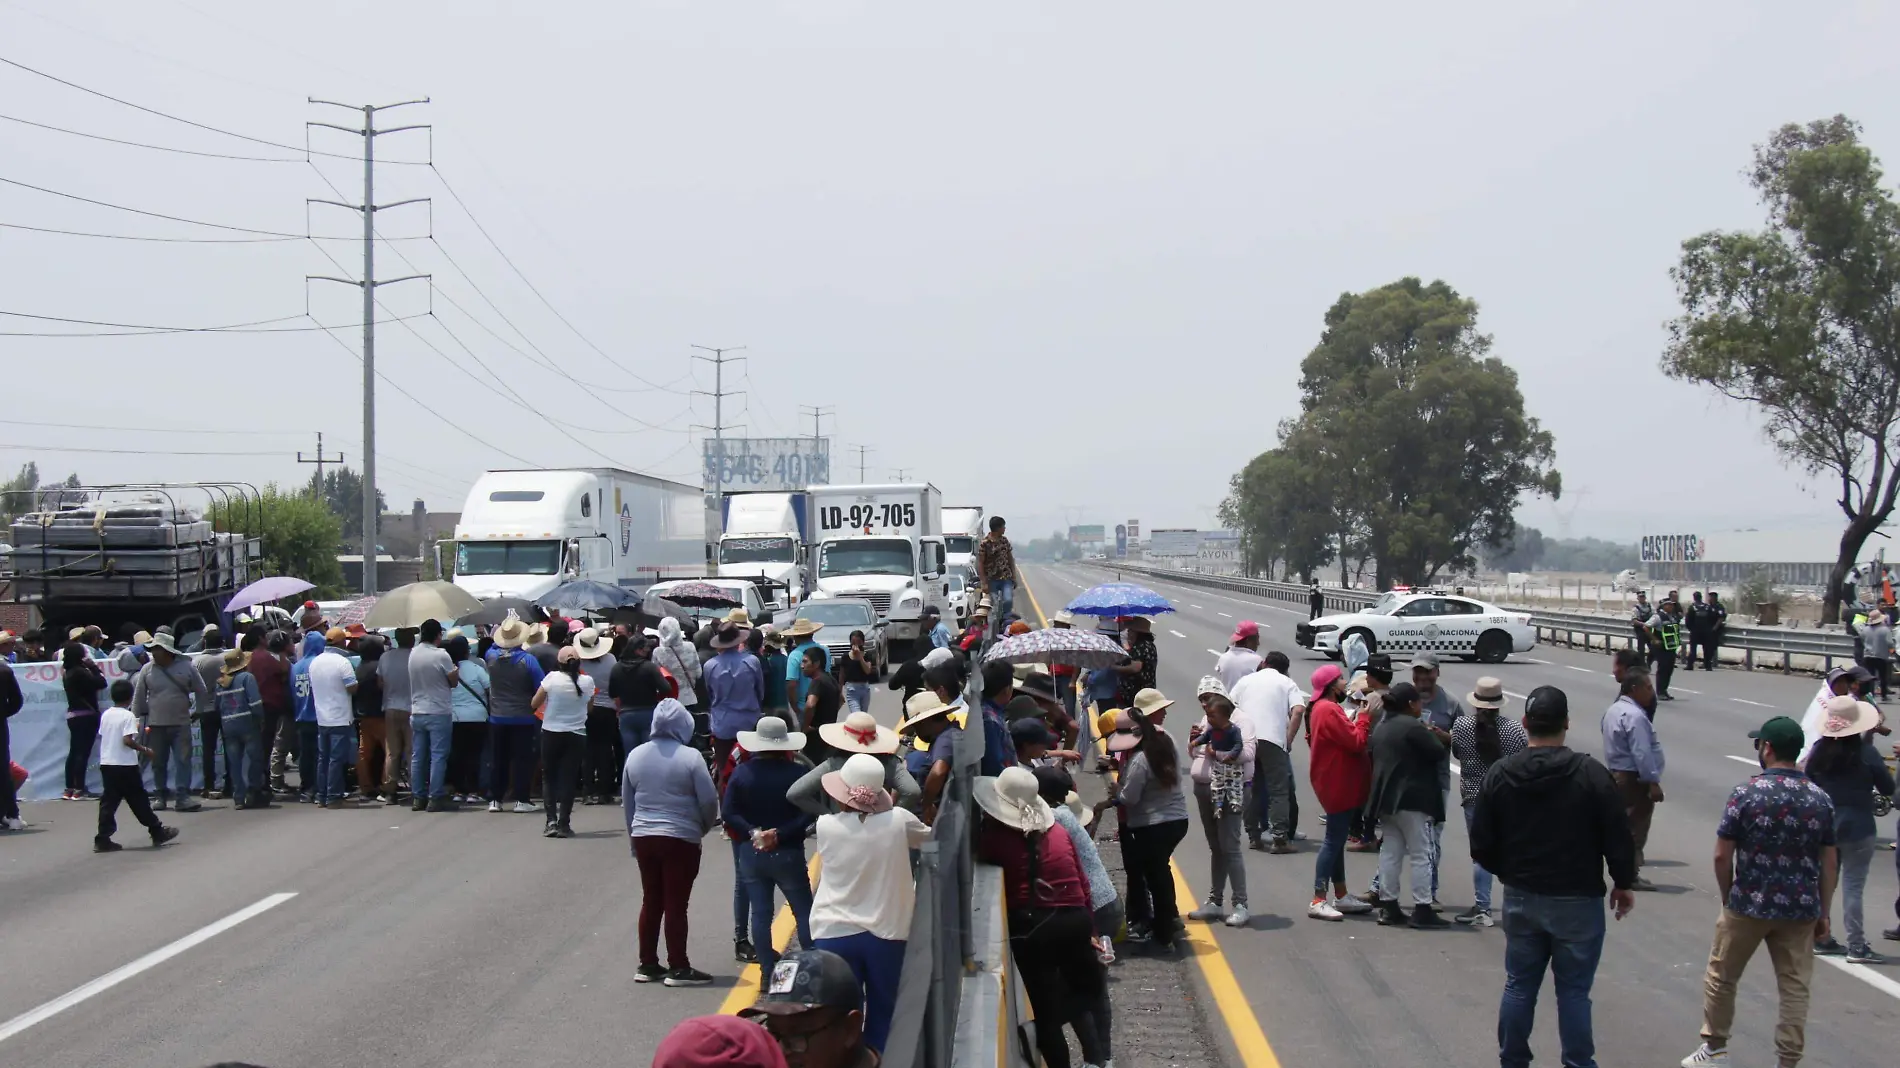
(1223, 615)
(1177, 634)
(1533, 660)
(1574, 667)
(146, 963)
(1746, 701)
(1518, 696)
(1216, 652)
(1196, 606)
(1457, 768)
(1750, 761)
(1697, 693)
(1866, 975)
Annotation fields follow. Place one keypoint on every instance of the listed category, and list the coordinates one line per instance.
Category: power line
(139, 329)
(194, 240)
(141, 144)
(307, 150)
(142, 211)
(43, 447)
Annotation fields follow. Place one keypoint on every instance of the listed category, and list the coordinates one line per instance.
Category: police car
(1425, 621)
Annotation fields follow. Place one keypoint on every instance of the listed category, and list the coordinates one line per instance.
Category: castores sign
(765, 465)
(1672, 548)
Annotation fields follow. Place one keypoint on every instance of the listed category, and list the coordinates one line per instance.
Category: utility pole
(319, 460)
(815, 412)
(369, 283)
(862, 449)
(900, 474)
(719, 360)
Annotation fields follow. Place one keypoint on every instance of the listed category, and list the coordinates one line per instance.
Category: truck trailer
(884, 543)
(765, 536)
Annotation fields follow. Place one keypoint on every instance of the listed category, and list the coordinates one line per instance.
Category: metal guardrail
(1760, 646)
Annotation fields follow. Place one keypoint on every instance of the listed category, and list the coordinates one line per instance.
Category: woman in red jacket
(1341, 772)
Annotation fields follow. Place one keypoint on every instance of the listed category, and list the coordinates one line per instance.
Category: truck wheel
(1494, 647)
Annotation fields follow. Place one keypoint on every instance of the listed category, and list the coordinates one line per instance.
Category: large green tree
(1802, 320)
(342, 492)
(300, 536)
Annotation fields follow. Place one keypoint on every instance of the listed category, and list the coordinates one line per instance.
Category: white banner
(38, 736)
(1173, 543)
(766, 465)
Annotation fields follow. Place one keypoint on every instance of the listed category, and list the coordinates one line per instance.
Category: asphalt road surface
(1343, 995)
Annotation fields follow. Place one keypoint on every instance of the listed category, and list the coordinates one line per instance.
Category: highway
(1344, 995)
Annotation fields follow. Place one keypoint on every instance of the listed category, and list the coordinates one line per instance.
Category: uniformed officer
(1665, 637)
(1639, 622)
(1718, 628)
(1699, 624)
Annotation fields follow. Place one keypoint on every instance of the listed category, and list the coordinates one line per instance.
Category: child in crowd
(119, 752)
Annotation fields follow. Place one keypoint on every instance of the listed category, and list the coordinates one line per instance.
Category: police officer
(1315, 601)
(1665, 637)
(1639, 622)
(1718, 627)
(1699, 625)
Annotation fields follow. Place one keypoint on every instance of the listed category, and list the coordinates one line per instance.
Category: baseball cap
(310, 604)
(1246, 628)
(1325, 675)
(1546, 710)
(1030, 732)
(809, 979)
(718, 1042)
(1783, 735)
(1428, 661)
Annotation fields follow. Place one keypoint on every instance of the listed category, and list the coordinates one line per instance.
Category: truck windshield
(959, 544)
(507, 557)
(755, 551)
(866, 556)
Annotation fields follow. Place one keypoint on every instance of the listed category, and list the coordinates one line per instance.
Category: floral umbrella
(1077, 648)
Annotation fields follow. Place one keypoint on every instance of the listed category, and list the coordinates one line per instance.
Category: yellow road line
(1242, 1025)
(745, 992)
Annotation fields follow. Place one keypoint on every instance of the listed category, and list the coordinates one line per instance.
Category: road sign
(766, 465)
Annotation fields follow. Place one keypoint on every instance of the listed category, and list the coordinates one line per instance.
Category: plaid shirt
(995, 558)
(1779, 821)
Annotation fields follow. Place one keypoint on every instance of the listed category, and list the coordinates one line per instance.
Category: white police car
(1425, 621)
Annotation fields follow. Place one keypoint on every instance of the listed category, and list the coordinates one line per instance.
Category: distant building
(412, 536)
(1799, 556)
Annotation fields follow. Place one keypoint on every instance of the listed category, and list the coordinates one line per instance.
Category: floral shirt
(996, 559)
(1779, 821)
(1141, 647)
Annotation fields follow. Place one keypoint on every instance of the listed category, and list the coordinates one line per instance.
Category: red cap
(310, 604)
(718, 1042)
(1246, 629)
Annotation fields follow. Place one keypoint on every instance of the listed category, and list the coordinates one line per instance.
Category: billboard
(1220, 551)
(1088, 536)
(1671, 548)
(1174, 543)
(1121, 540)
(765, 465)
(1134, 531)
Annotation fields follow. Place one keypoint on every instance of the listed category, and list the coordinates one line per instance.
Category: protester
(862, 908)
(1441, 710)
(719, 1042)
(1242, 657)
(1221, 753)
(332, 684)
(812, 1004)
(372, 752)
(1041, 690)
(1051, 927)
(1271, 704)
(432, 679)
(514, 677)
(83, 681)
(1341, 772)
(1406, 799)
(1634, 756)
(1142, 668)
(1480, 740)
(637, 686)
(164, 695)
(823, 699)
(1775, 866)
(858, 674)
(772, 832)
(240, 709)
(1840, 682)
(1846, 765)
(735, 688)
(306, 717)
(669, 804)
(996, 566)
(772, 663)
(1547, 821)
(797, 683)
(468, 736)
(1877, 649)
(270, 666)
(119, 752)
(1366, 692)
(859, 733)
(398, 735)
(561, 702)
(11, 701)
(600, 771)
(935, 629)
(1153, 818)
(677, 656)
(927, 720)
(209, 660)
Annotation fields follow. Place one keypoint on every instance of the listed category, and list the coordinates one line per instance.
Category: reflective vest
(1669, 634)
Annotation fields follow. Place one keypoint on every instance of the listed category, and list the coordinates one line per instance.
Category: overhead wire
(143, 330)
(196, 240)
(150, 214)
(142, 144)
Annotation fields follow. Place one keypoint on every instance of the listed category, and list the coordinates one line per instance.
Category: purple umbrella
(1077, 648)
(354, 612)
(270, 589)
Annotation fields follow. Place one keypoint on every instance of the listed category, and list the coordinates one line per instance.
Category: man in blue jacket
(306, 717)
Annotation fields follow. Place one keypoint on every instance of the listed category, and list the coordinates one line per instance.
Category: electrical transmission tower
(319, 460)
(862, 450)
(816, 412)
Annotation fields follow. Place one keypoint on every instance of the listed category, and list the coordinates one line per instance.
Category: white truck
(962, 529)
(883, 543)
(524, 532)
(765, 535)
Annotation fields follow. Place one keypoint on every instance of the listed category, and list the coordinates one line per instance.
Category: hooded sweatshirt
(665, 788)
(677, 655)
(1547, 820)
(300, 678)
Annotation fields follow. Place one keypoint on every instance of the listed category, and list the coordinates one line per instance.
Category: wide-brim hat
(1038, 684)
(1012, 800)
(143, 637)
(1083, 814)
(923, 705)
(1489, 693)
(164, 641)
(772, 736)
(1847, 717)
(234, 662)
(592, 644)
(1064, 618)
(739, 616)
(537, 633)
(859, 785)
(802, 628)
(729, 636)
(859, 733)
(1151, 702)
(512, 634)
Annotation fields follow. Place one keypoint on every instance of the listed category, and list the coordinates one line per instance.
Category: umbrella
(354, 612)
(1120, 599)
(493, 612)
(701, 595)
(412, 605)
(269, 589)
(584, 595)
(1078, 648)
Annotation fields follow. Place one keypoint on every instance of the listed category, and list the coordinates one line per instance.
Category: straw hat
(1847, 717)
(143, 637)
(739, 616)
(1150, 702)
(1083, 814)
(859, 733)
(859, 785)
(772, 736)
(803, 628)
(923, 705)
(164, 641)
(512, 634)
(1011, 799)
(770, 635)
(592, 644)
(234, 662)
(537, 633)
(1489, 693)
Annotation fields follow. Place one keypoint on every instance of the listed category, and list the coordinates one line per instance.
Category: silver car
(837, 618)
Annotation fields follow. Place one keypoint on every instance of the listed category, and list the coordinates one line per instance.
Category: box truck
(962, 529)
(765, 535)
(883, 543)
(524, 532)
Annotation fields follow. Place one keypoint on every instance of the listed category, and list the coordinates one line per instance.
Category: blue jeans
(1330, 869)
(1002, 598)
(171, 754)
(636, 726)
(877, 962)
(783, 868)
(334, 748)
(244, 756)
(429, 754)
(857, 696)
(1565, 935)
(1480, 879)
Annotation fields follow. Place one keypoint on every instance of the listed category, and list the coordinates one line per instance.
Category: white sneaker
(1323, 910)
(526, 806)
(14, 823)
(1210, 912)
(1238, 917)
(494, 806)
(1704, 1055)
(1351, 906)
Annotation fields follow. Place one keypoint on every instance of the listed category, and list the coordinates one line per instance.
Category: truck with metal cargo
(884, 543)
(765, 535)
(525, 532)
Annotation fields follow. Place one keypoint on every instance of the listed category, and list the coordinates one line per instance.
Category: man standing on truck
(996, 563)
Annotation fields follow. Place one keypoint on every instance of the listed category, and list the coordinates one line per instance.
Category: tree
(1802, 320)
(16, 493)
(1520, 552)
(1283, 511)
(342, 492)
(299, 533)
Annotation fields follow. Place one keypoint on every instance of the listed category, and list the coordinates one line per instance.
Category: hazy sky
(1042, 255)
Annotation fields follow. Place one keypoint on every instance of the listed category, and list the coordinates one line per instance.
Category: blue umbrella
(587, 596)
(1120, 599)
